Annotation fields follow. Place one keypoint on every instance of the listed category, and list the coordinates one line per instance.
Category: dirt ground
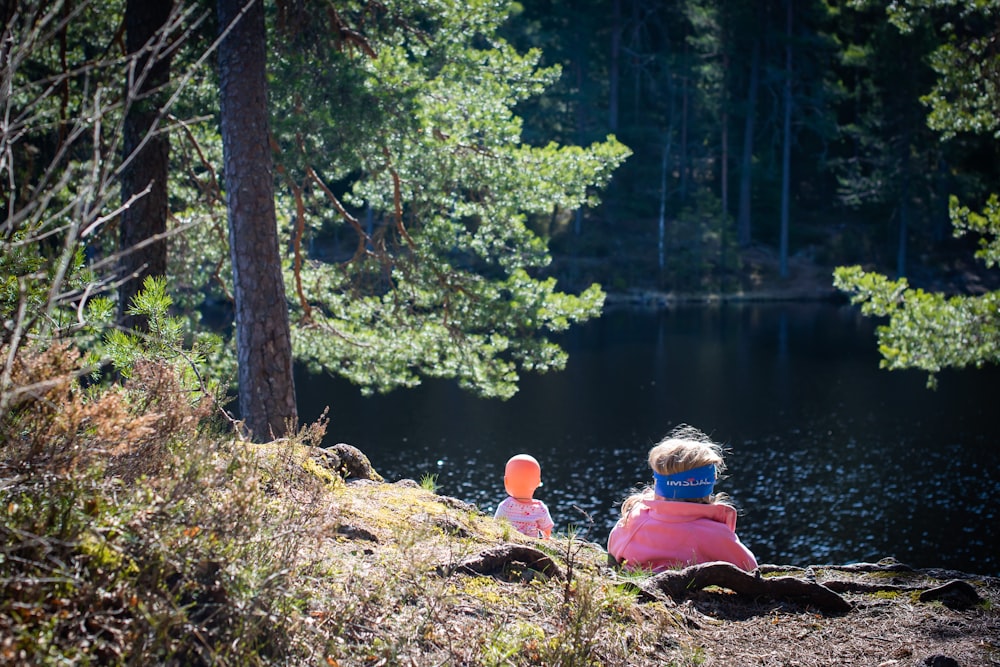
(888, 623)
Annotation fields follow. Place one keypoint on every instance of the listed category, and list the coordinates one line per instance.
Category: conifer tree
(930, 330)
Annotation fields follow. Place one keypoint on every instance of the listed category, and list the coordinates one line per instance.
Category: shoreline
(658, 299)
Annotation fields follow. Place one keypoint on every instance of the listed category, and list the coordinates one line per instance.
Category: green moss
(319, 472)
(105, 556)
(519, 638)
(890, 574)
(483, 589)
(886, 595)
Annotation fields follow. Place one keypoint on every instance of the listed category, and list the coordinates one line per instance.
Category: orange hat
(522, 476)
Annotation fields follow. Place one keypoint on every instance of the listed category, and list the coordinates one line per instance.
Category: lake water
(831, 459)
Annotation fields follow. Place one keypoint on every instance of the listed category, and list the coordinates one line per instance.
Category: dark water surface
(832, 460)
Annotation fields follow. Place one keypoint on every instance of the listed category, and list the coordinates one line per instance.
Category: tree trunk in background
(743, 220)
(786, 151)
(940, 215)
(685, 109)
(613, 74)
(724, 176)
(904, 224)
(905, 211)
(579, 111)
(614, 81)
(145, 152)
(263, 340)
(661, 235)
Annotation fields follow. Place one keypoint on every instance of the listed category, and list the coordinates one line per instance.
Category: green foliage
(965, 96)
(428, 482)
(64, 98)
(165, 342)
(448, 282)
(883, 75)
(986, 225)
(925, 330)
(28, 272)
(57, 188)
(510, 641)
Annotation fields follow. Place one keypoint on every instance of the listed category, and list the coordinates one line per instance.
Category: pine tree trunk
(743, 220)
(786, 149)
(266, 385)
(613, 70)
(145, 154)
(724, 176)
(684, 166)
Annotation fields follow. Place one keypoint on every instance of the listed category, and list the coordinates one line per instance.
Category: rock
(457, 504)
(940, 661)
(345, 460)
(356, 533)
(955, 594)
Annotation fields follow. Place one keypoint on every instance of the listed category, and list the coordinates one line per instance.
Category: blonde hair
(684, 448)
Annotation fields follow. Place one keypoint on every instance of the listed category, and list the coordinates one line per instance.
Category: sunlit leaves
(985, 224)
(425, 138)
(478, 332)
(167, 341)
(967, 91)
(966, 97)
(926, 330)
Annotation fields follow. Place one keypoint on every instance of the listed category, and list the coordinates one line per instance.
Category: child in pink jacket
(680, 521)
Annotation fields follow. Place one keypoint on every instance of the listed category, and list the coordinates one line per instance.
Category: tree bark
(743, 221)
(678, 584)
(724, 120)
(499, 559)
(661, 231)
(905, 213)
(786, 154)
(685, 167)
(614, 67)
(263, 340)
(146, 153)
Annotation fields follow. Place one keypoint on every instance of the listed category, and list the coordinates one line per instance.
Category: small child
(521, 477)
(679, 521)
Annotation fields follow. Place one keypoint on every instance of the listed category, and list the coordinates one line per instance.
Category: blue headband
(694, 483)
